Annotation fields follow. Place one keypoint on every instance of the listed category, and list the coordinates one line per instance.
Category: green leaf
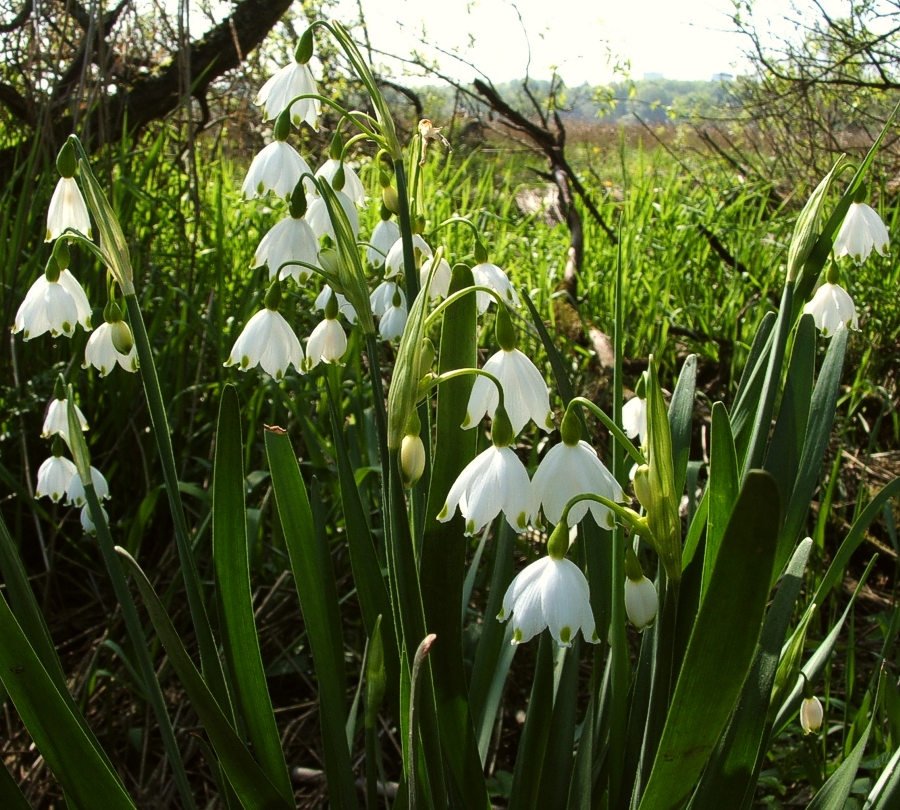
(232, 562)
(834, 793)
(314, 580)
(729, 618)
(885, 795)
(746, 400)
(818, 434)
(71, 751)
(252, 786)
(11, 797)
(722, 489)
(556, 772)
(681, 418)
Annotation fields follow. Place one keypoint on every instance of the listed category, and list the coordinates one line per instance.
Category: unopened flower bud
(122, 339)
(641, 601)
(391, 199)
(412, 460)
(811, 715)
(642, 486)
(66, 162)
(426, 357)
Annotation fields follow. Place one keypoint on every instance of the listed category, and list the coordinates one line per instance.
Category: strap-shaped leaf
(232, 562)
(314, 580)
(834, 793)
(252, 786)
(729, 618)
(723, 488)
(11, 797)
(69, 749)
(681, 417)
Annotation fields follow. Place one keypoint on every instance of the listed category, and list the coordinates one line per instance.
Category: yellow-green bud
(426, 357)
(506, 333)
(340, 177)
(642, 486)
(273, 296)
(61, 253)
(122, 339)
(412, 460)
(283, 125)
(52, 269)
(558, 542)
(391, 199)
(502, 434)
(481, 254)
(298, 201)
(570, 429)
(304, 50)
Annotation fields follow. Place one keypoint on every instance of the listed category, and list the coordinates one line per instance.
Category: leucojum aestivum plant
(723, 666)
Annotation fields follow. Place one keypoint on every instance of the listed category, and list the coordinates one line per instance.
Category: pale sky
(681, 39)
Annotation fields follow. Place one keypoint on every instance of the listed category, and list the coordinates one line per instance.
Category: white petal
(489, 275)
(383, 237)
(277, 168)
(353, 186)
(67, 210)
(832, 310)
(861, 230)
(634, 418)
(288, 240)
(54, 477)
(57, 419)
(75, 490)
(641, 602)
(327, 344)
(102, 354)
(393, 263)
(291, 81)
(392, 323)
(319, 220)
(440, 281)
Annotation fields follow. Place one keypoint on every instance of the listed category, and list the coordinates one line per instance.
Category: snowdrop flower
(634, 418)
(393, 263)
(352, 187)
(328, 342)
(292, 80)
(54, 475)
(811, 715)
(861, 230)
(412, 459)
(549, 593)
(569, 470)
(489, 275)
(53, 306)
(75, 490)
(641, 601)
(440, 282)
(319, 220)
(344, 306)
(87, 523)
(393, 322)
(383, 237)
(67, 210)
(525, 394)
(57, 419)
(494, 481)
(101, 351)
(832, 309)
(268, 340)
(382, 297)
(277, 168)
(290, 240)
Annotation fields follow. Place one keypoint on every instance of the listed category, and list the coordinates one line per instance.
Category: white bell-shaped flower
(54, 307)
(67, 210)
(87, 522)
(811, 715)
(319, 220)
(102, 354)
(344, 306)
(384, 235)
(525, 394)
(571, 470)
(277, 168)
(291, 81)
(549, 593)
(382, 297)
(861, 230)
(489, 275)
(353, 187)
(641, 602)
(268, 341)
(440, 281)
(54, 477)
(326, 344)
(57, 419)
(494, 481)
(634, 418)
(393, 263)
(289, 240)
(75, 490)
(832, 309)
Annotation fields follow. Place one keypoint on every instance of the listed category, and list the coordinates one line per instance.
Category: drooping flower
(53, 306)
(54, 477)
(277, 168)
(811, 715)
(634, 418)
(569, 470)
(861, 230)
(832, 309)
(494, 481)
(268, 340)
(393, 263)
(102, 354)
(382, 297)
(549, 593)
(87, 522)
(344, 306)
(525, 393)
(489, 275)
(67, 210)
(440, 281)
(641, 601)
(75, 490)
(326, 344)
(384, 235)
(319, 220)
(289, 240)
(353, 187)
(57, 419)
(393, 322)
(290, 81)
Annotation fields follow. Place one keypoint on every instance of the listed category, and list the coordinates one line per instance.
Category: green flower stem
(410, 273)
(434, 382)
(438, 310)
(209, 656)
(152, 690)
(457, 221)
(638, 524)
(353, 117)
(619, 435)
